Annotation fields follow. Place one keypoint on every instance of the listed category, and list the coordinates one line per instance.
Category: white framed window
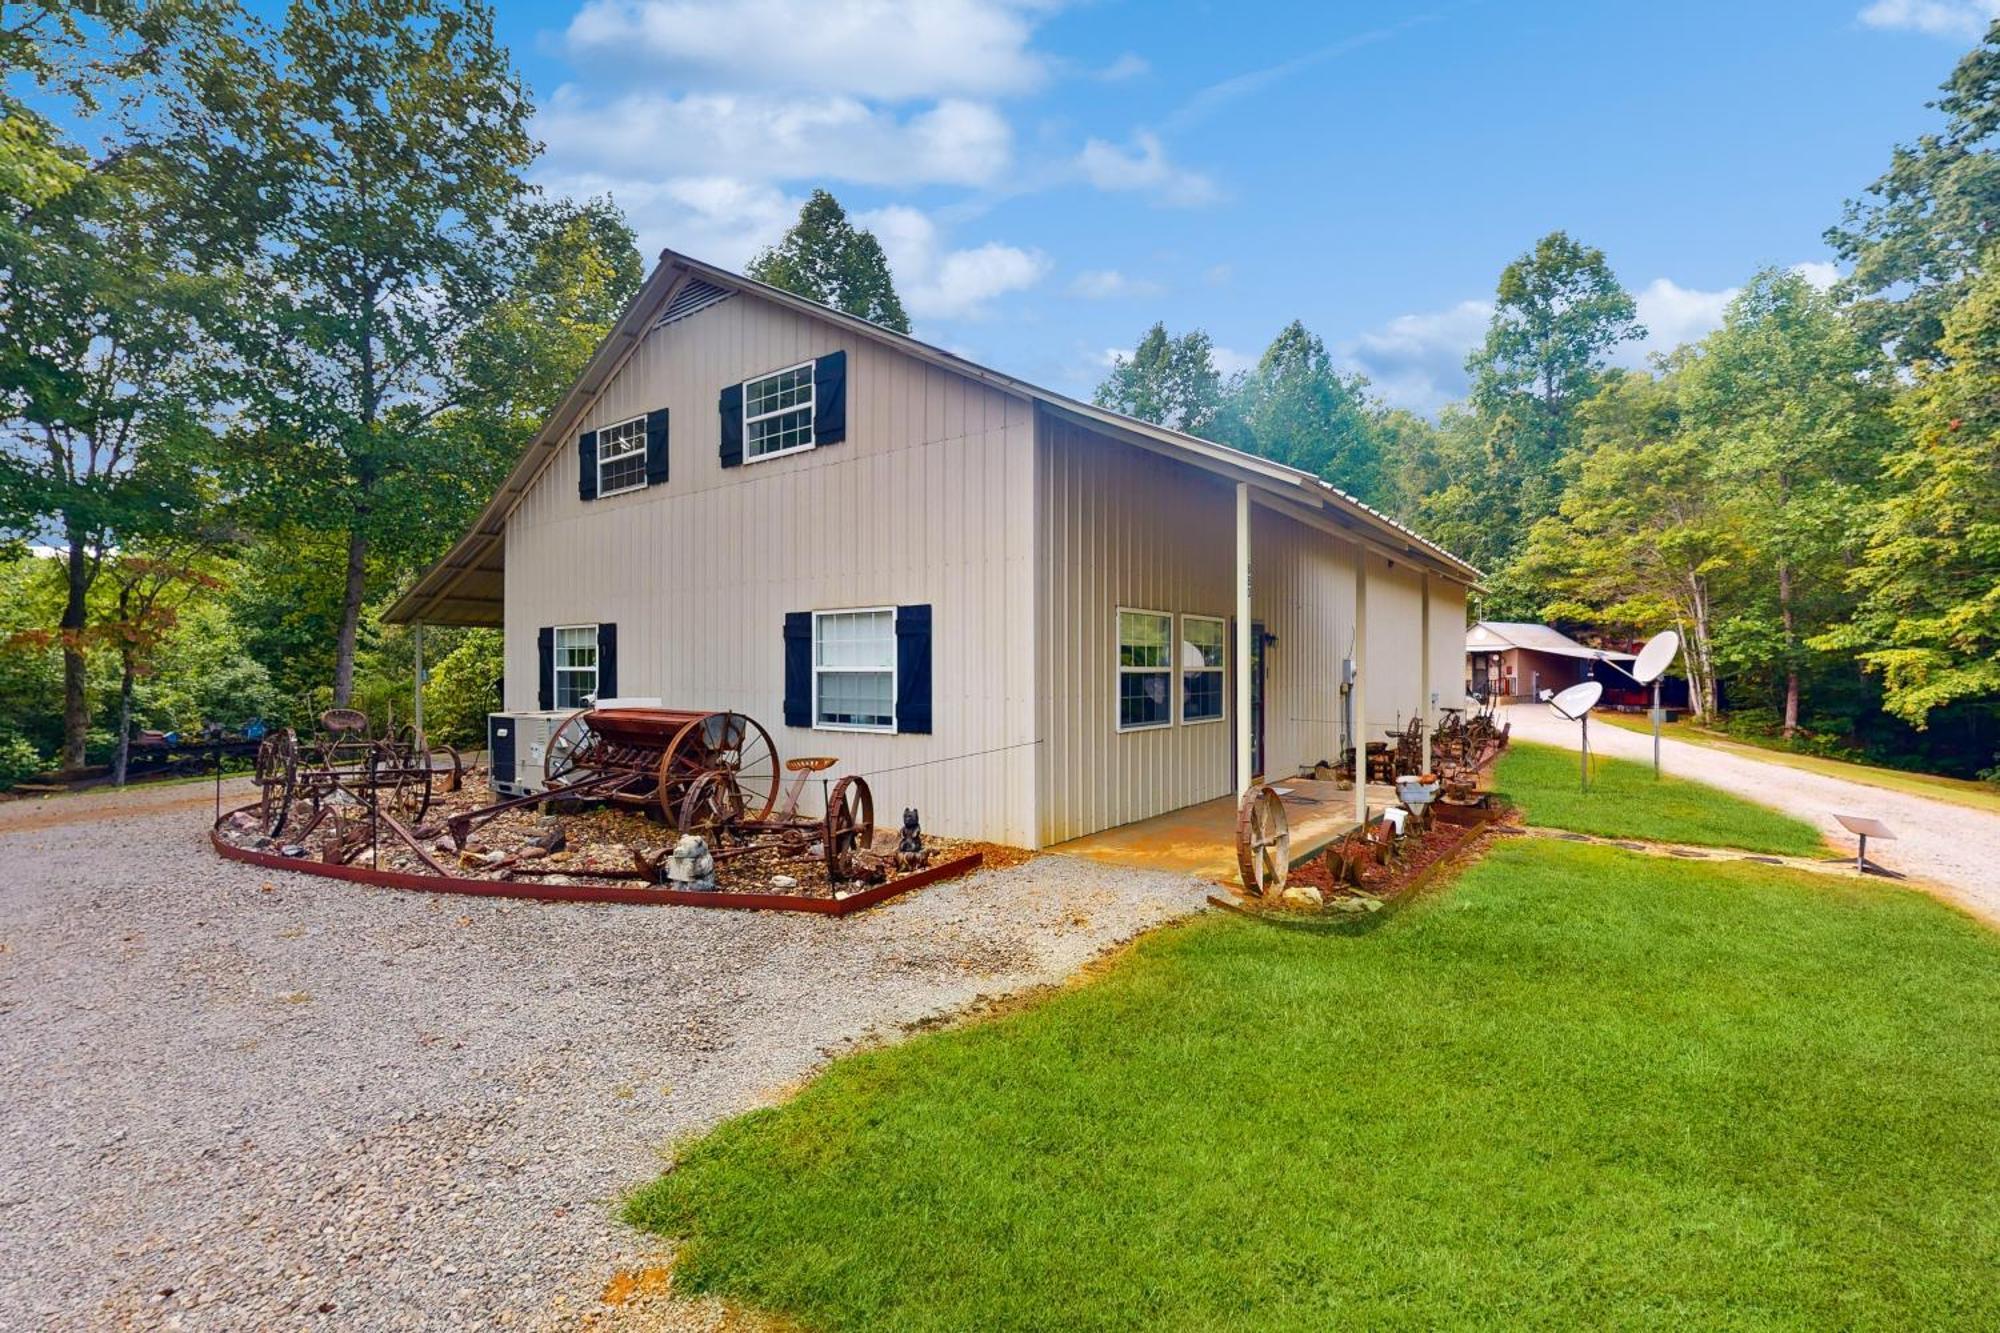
(1204, 655)
(576, 665)
(854, 669)
(1145, 669)
(621, 457)
(778, 413)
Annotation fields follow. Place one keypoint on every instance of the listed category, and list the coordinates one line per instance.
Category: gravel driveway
(1955, 848)
(240, 1099)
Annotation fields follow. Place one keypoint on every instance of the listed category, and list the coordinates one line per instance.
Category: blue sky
(1049, 178)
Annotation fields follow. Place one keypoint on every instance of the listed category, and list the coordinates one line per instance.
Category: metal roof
(465, 586)
(1497, 635)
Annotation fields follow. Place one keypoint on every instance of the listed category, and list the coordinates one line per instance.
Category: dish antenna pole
(1654, 659)
(1575, 704)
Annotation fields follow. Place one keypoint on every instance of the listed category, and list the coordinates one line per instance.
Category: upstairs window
(1202, 657)
(621, 457)
(778, 413)
(854, 669)
(1145, 669)
(576, 663)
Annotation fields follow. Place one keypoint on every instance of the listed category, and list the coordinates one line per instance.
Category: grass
(1626, 802)
(1959, 791)
(1579, 1088)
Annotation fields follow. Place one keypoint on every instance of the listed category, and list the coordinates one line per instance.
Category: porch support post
(1360, 685)
(1424, 709)
(417, 683)
(1243, 774)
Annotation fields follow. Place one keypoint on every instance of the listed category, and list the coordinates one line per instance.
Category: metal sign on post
(1575, 704)
(1654, 659)
(1865, 827)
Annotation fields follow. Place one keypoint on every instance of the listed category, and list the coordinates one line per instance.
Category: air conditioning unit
(517, 747)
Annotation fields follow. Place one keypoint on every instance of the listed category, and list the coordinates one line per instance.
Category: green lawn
(1626, 802)
(1577, 1088)
(1959, 791)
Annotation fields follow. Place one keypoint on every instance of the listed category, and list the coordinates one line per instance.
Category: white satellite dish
(1578, 700)
(1575, 704)
(1656, 657)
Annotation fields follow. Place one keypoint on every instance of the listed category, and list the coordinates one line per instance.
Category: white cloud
(1107, 284)
(884, 50)
(758, 138)
(1130, 65)
(1673, 315)
(936, 283)
(1417, 360)
(1818, 272)
(1143, 166)
(1959, 19)
(719, 219)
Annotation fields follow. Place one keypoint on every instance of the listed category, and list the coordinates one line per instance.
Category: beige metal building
(1018, 612)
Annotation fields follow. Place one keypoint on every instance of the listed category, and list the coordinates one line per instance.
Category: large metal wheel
(277, 777)
(399, 781)
(848, 826)
(733, 744)
(1263, 843)
(712, 807)
(571, 749)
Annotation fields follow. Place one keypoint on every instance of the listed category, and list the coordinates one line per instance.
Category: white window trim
(1118, 681)
(596, 666)
(638, 485)
(895, 684)
(1180, 669)
(812, 417)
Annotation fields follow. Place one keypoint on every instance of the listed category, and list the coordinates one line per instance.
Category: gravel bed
(244, 1099)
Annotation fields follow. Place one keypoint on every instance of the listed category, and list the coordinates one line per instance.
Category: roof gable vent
(694, 296)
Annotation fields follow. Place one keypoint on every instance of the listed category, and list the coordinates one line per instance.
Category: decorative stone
(690, 865)
(1304, 896)
(549, 835)
(783, 882)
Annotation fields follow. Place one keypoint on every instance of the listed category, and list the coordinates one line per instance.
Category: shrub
(463, 688)
(18, 759)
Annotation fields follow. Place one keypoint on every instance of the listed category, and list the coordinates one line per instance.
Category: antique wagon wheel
(573, 747)
(1263, 843)
(848, 827)
(400, 782)
(351, 827)
(712, 807)
(277, 775)
(442, 760)
(731, 743)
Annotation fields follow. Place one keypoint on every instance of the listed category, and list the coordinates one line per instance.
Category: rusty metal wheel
(733, 744)
(277, 777)
(712, 807)
(400, 783)
(848, 826)
(573, 747)
(1263, 842)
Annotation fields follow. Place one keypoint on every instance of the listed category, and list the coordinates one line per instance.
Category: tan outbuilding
(1018, 612)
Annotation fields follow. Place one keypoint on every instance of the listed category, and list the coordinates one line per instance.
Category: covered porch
(1200, 840)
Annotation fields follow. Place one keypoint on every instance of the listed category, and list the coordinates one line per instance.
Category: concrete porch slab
(1201, 839)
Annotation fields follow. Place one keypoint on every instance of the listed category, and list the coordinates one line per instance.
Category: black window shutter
(798, 668)
(656, 448)
(586, 465)
(607, 661)
(545, 650)
(732, 426)
(913, 669)
(830, 398)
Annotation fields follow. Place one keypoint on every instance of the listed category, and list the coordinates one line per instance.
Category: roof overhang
(465, 587)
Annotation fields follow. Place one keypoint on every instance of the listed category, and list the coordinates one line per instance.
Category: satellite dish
(1656, 656)
(1577, 700)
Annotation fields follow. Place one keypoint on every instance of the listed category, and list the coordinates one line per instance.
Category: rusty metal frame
(594, 893)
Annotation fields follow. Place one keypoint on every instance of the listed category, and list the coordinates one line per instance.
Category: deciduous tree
(1168, 381)
(826, 258)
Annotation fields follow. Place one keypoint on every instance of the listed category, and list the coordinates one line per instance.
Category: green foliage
(463, 688)
(1925, 232)
(1577, 1088)
(826, 258)
(18, 759)
(1929, 617)
(1170, 381)
(1300, 411)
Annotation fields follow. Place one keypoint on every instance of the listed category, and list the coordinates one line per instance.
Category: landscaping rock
(1303, 896)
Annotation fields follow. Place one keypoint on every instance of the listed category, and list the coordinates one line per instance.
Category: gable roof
(464, 587)
(1488, 635)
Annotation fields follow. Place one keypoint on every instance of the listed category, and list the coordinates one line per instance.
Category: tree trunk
(122, 757)
(350, 618)
(76, 708)
(1788, 616)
